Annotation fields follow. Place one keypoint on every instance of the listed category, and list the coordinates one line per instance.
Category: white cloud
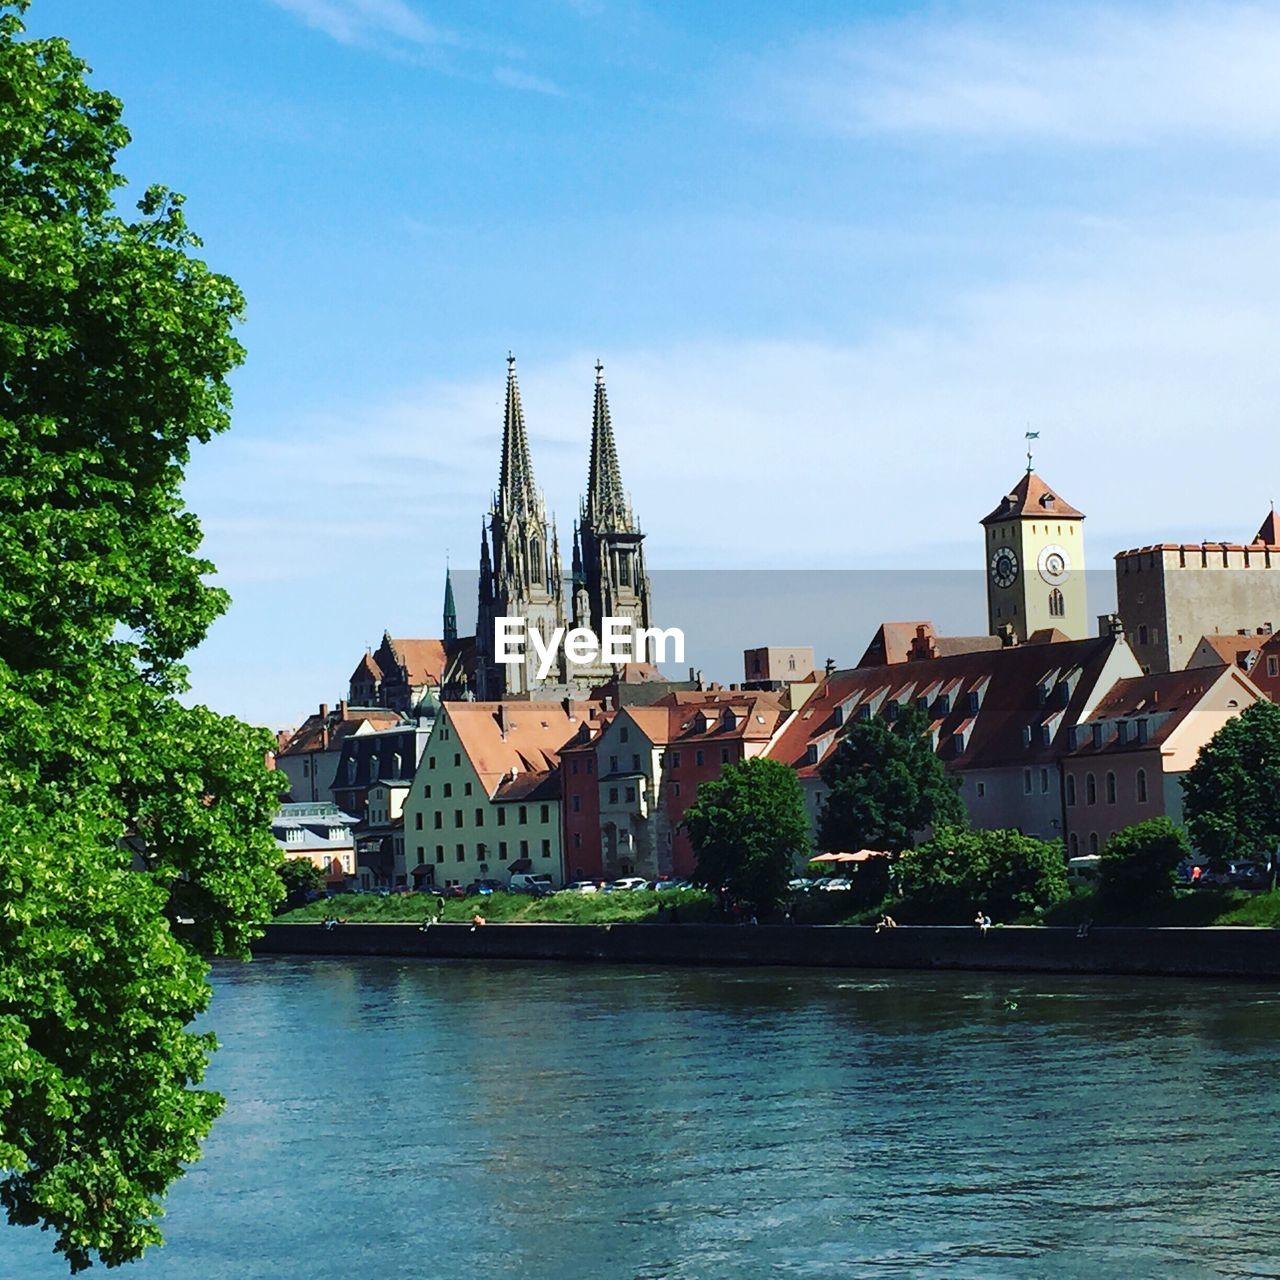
(1072, 74)
(512, 78)
(366, 22)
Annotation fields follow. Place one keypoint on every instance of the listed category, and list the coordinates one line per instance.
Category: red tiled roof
(1269, 533)
(501, 736)
(310, 735)
(1005, 681)
(1032, 497)
(423, 660)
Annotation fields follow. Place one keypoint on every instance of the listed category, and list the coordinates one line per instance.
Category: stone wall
(1245, 953)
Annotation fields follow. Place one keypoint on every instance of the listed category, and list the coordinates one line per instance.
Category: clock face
(1054, 564)
(1004, 567)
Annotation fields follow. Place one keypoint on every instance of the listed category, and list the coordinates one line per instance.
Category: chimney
(692, 675)
(568, 707)
(342, 709)
(608, 704)
(829, 666)
(324, 711)
(503, 723)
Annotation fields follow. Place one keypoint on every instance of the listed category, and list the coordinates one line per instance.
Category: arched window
(1075, 845)
(1090, 790)
(1057, 605)
(535, 559)
(1093, 842)
(1071, 788)
(1142, 786)
(1111, 788)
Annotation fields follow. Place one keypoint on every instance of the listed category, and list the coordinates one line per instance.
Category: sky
(836, 261)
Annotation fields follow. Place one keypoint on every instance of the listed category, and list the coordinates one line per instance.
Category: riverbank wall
(1200, 952)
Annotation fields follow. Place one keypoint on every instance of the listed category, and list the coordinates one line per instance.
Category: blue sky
(836, 260)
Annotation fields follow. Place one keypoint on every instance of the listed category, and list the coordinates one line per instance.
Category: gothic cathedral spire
(608, 553)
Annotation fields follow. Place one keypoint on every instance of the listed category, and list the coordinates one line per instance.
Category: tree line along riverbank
(1189, 908)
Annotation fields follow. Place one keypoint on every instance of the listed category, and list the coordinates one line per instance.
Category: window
(1142, 635)
(1141, 782)
(502, 817)
(1071, 789)
(613, 764)
(698, 757)
(1273, 665)
(1057, 604)
(461, 852)
(631, 794)
(1044, 782)
(502, 851)
(466, 788)
(1093, 842)
(1111, 788)
(577, 804)
(546, 848)
(624, 734)
(439, 853)
(675, 788)
(613, 795)
(577, 840)
(457, 759)
(431, 762)
(535, 559)
(306, 768)
(523, 815)
(982, 788)
(724, 755)
(545, 813)
(1090, 790)
(417, 821)
(635, 764)
(1026, 781)
(524, 848)
(675, 759)
(426, 791)
(448, 789)
(479, 817)
(1075, 845)
(457, 817)
(439, 819)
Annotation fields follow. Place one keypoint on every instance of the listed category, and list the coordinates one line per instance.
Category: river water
(413, 1119)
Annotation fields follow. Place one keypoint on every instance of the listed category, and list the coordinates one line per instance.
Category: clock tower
(1035, 563)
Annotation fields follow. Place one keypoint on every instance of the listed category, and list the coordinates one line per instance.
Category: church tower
(520, 573)
(1035, 563)
(450, 611)
(609, 579)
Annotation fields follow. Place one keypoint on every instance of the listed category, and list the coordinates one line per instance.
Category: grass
(501, 908)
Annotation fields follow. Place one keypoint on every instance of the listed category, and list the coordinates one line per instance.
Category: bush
(1139, 865)
(1004, 873)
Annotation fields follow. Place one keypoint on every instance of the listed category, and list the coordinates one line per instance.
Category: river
(392, 1118)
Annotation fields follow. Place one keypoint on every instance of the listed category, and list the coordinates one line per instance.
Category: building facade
(1169, 595)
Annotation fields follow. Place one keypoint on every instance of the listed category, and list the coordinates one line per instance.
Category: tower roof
(606, 504)
(1269, 534)
(1032, 497)
(517, 491)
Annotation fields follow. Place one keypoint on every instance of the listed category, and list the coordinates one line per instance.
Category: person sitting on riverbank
(476, 921)
(982, 922)
(886, 921)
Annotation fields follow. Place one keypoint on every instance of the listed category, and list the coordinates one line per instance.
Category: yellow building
(1035, 564)
(485, 801)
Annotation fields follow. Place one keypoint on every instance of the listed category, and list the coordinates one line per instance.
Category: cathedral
(522, 576)
(520, 566)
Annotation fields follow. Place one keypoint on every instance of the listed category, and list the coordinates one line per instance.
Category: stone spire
(517, 493)
(450, 609)
(606, 504)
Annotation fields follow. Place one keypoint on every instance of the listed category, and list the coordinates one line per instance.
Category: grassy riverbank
(692, 905)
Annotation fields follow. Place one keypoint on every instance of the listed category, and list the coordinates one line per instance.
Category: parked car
(838, 884)
(539, 886)
(1084, 869)
(673, 884)
(452, 891)
(630, 882)
(484, 887)
(582, 886)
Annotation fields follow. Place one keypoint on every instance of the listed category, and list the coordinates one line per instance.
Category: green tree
(1139, 864)
(885, 785)
(748, 827)
(957, 871)
(301, 878)
(1232, 792)
(136, 829)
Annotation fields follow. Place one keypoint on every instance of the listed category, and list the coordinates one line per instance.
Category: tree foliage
(1139, 864)
(301, 878)
(748, 827)
(885, 785)
(1004, 873)
(1232, 792)
(136, 829)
